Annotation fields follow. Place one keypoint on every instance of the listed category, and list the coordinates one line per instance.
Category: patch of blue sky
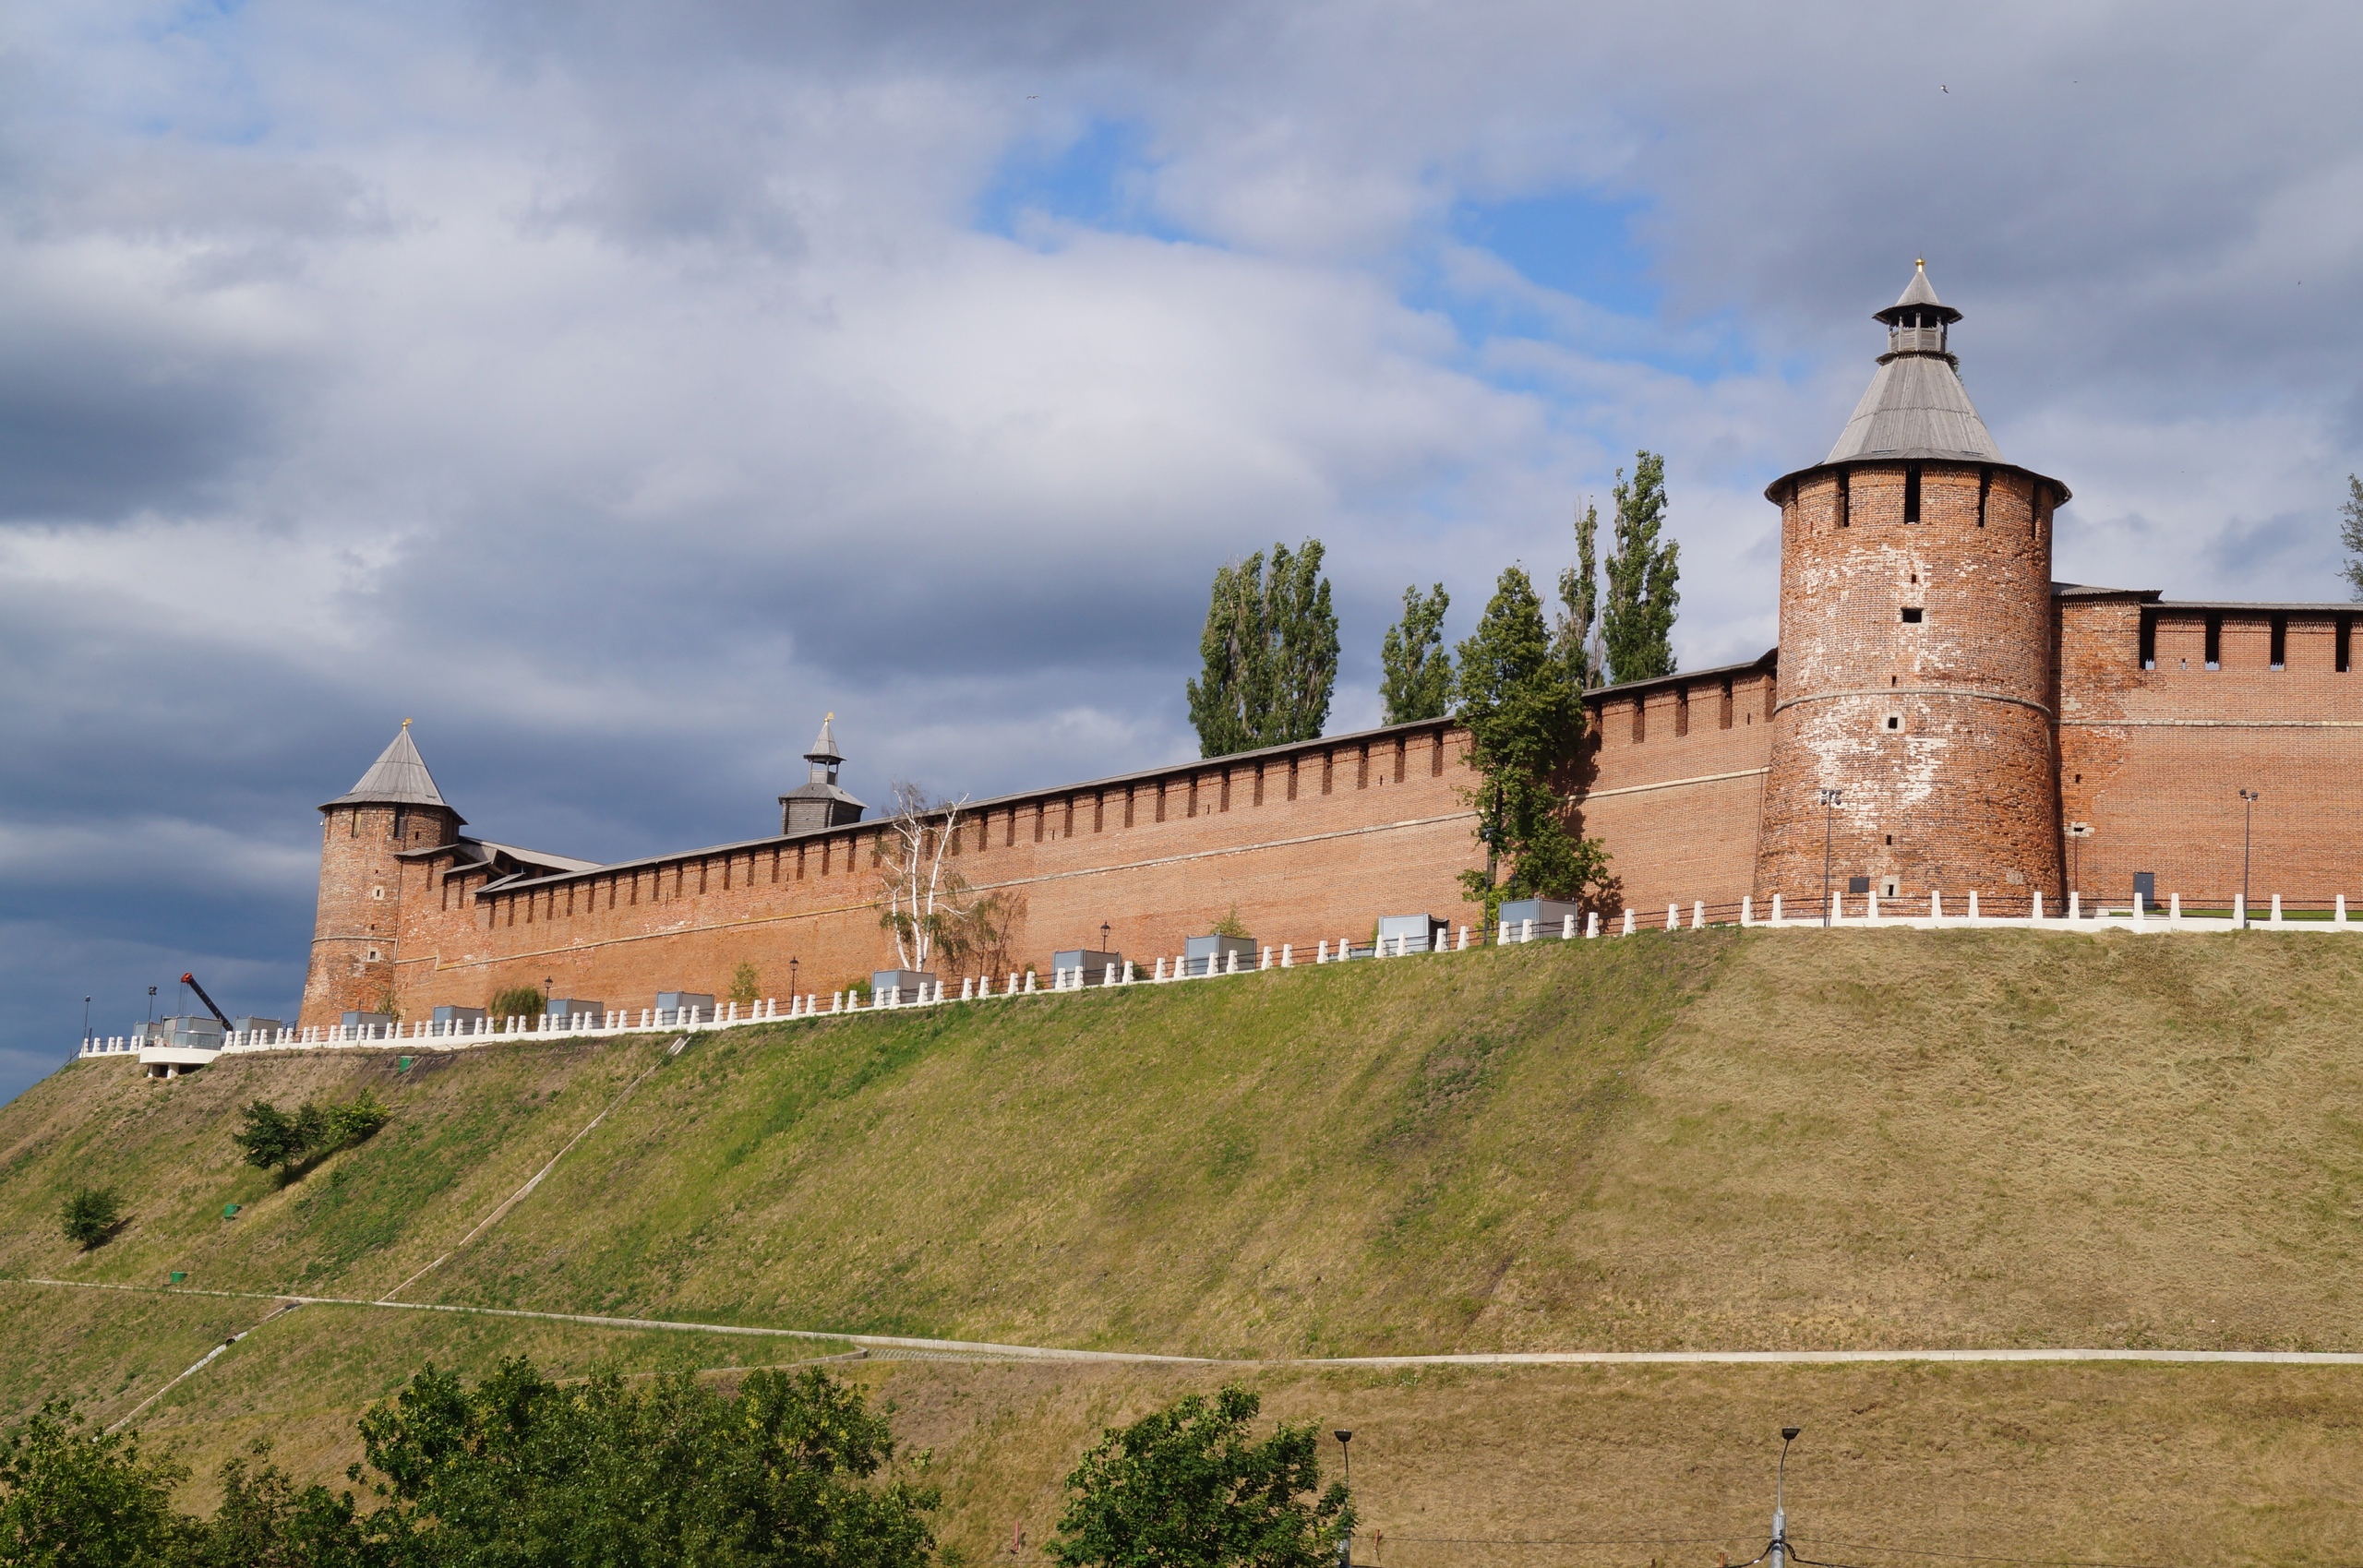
(1580, 277)
(224, 104)
(1100, 179)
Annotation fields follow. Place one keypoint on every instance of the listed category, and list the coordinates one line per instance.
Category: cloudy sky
(614, 389)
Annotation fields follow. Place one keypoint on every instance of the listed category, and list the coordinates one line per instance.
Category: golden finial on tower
(405, 723)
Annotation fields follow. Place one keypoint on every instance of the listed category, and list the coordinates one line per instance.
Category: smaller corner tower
(1916, 656)
(818, 803)
(356, 934)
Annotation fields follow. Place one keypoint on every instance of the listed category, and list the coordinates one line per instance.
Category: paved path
(891, 1346)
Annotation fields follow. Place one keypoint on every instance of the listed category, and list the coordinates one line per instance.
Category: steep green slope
(1701, 1139)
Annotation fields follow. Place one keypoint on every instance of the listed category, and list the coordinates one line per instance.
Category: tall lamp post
(792, 992)
(1831, 799)
(2248, 821)
(1779, 1551)
(1345, 1447)
(1103, 936)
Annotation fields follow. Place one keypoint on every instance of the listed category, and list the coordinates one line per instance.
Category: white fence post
(1698, 915)
(1673, 917)
(2038, 904)
(1288, 956)
(1748, 909)
(2276, 909)
(2340, 918)
(1973, 906)
(1591, 926)
(1628, 922)
(1464, 939)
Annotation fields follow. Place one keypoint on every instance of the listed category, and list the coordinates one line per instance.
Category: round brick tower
(364, 833)
(1915, 673)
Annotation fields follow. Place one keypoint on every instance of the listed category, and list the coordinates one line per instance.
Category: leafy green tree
(525, 1473)
(1417, 679)
(2350, 534)
(271, 1138)
(745, 983)
(265, 1521)
(1187, 1487)
(1270, 654)
(1637, 623)
(1525, 720)
(90, 1215)
(354, 1121)
(1573, 637)
(72, 1499)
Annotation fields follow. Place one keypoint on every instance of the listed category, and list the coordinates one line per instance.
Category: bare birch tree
(926, 904)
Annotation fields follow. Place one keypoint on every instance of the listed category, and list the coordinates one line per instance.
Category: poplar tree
(1637, 621)
(1580, 598)
(1417, 681)
(2350, 534)
(1524, 719)
(1270, 654)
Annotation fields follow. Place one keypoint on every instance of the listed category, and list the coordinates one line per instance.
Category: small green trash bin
(228, 1211)
(179, 1275)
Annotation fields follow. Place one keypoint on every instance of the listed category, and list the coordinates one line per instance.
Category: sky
(613, 389)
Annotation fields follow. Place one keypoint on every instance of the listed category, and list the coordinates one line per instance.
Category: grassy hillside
(1702, 1140)
(1715, 1139)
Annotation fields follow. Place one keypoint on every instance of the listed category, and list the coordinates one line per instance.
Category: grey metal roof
(399, 777)
(1916, 407)
(825, 744)
(1919, 293)
(819, 790)
(2087, 591)
(1768, 659)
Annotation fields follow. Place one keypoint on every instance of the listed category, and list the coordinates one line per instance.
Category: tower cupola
(818, 802)
(1917, 323)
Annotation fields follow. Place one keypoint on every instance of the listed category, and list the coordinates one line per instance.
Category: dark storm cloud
(614, 388)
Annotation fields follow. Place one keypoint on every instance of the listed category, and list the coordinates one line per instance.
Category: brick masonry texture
(1915, 680)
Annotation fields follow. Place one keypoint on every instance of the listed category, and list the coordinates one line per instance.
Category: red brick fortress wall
(1673, 784)
(1309, 843)
(1937, 728)
(2153, 759)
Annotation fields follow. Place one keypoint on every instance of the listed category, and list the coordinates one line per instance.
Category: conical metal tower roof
(398, 777)
(1915, 405)
(825, 744)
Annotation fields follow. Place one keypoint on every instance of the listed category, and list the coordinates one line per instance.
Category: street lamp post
(1345, 1447)
(1103, 936)
(792, 992)
(1830, 800)
(2248, 820)
(1779, 1551)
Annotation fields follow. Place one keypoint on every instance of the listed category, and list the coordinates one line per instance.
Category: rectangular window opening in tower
(1912, 491)
(2280, 659)
(2214, 642)
(1912, 614)
(1845, 519)
(2342, 653)
(2149, 641)
(1984, 489)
